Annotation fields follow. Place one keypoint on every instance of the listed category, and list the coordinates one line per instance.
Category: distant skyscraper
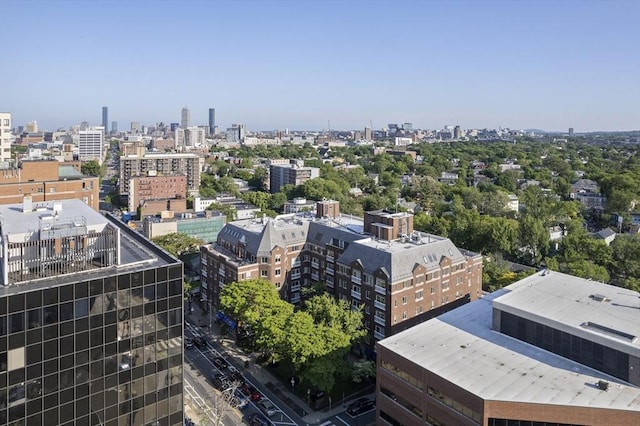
(5, 136)
(105, 118)
(570, 131)
(114, 127)
(135, 127)
(457, 132)
(186, 118)
(367, 134)
(212, 120)
(31, 127)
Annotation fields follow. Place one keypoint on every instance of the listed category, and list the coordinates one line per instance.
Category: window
(368, 294)
(278, 272)
(419, 295)
(264, 273)
(264, 259)
(277, 260)
(404, 315)
(404, 300)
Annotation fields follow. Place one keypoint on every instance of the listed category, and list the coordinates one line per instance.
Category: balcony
(356, 279)
(379, 320)
(315, 276)
(380, 289)
(356, 294)
(379, 305)
(295, 275)
(329, 271)
(296, 263)
(315, 265)
(330, 259)
(295, 287)
(295, 298)
(222, 272)
(378, 335)
(329, 283)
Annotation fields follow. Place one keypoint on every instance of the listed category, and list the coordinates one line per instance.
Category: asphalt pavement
(294, 409)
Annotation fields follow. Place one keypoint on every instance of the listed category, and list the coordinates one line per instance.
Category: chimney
(328, 208)
(27, 203)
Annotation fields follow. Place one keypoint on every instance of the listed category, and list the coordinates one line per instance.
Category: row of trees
(315, 339)
(476, 217)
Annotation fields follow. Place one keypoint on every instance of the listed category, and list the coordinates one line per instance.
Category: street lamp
(309, 397)
(293, 384)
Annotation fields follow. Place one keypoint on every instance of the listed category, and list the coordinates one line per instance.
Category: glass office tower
(90, 321)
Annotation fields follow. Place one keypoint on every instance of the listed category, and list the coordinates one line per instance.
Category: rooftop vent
(602, 385)
(599, 298)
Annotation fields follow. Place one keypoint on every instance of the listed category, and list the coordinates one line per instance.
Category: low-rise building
(204, 226)
(48, 180)
(550, 349)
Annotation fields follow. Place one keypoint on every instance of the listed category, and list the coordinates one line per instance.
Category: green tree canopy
(178, 244)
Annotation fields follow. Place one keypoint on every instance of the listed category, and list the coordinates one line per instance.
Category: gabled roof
(401, 258)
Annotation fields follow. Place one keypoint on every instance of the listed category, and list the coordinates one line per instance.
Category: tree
(91, 168)
(178, 244)
(362, 370)
(534, 237)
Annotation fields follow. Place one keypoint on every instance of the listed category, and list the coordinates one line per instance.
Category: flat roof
(137, 253)
(599, 312)
(16, 223)
(461, 347)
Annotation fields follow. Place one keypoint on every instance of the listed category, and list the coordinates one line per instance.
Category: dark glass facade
(584, 351)
(101, 351)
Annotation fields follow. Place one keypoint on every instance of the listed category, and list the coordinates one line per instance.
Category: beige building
(5, 136)
(399, 276)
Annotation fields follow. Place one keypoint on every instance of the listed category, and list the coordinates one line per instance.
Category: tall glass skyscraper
(185, 118)
(90, 321)
(105, 118)
(212, 120)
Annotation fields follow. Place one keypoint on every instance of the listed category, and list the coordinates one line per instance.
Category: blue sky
(302, 64)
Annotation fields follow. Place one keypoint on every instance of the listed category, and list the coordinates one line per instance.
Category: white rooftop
(17, 224)
(461, 347)
(599, 312)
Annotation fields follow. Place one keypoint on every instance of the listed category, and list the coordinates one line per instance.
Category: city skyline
(282, 64)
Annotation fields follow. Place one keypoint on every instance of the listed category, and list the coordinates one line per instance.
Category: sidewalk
(258, 373)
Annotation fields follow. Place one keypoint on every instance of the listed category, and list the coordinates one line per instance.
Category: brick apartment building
(551, 349)
(152, 164)
(48, 180)
(145, 188)
(399, 276)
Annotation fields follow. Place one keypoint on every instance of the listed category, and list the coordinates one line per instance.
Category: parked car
(220, 363)
(200, 342)
(251, 392)
(360, 406)
(267, 407)
(220, 382)
(239, 400)
(235, 376)
(188, 343)
(258, 419)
